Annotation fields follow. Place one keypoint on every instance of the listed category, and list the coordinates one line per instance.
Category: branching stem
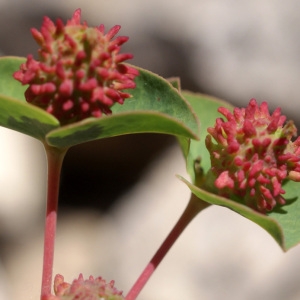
(55, 158)
(194, 206)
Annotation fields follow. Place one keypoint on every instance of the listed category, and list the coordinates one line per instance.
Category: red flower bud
(80, 72)
(253, 154)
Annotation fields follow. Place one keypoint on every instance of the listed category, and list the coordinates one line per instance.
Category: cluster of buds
(253, 155)
(80, 72)
(91, 289)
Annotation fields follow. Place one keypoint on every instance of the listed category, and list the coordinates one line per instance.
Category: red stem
(194, 206)
(55, 158)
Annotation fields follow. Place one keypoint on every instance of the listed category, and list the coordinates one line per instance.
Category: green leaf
(269, 224)
(206, 110)
(175, 82)
(283, 223)
(288, 216)
(15, 112)
(156, 106)
(8, 85)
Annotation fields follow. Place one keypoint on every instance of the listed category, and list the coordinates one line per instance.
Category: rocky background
(119, 197)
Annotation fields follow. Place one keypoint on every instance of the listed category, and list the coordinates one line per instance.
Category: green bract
(156, 106)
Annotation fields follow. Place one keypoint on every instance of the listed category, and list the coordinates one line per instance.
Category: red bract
(80, 72)
(91, 289)
(253, 155)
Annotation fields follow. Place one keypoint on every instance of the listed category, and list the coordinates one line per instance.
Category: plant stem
(194, 206)
(55, 158)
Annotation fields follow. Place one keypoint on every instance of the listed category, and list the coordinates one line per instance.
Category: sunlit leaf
(156, 106)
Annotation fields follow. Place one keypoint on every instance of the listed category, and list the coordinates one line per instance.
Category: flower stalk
(55, 158)
(194, 206)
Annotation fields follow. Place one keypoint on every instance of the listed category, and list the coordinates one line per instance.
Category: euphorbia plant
(72, 94)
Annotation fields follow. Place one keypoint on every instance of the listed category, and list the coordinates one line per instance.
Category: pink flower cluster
(91, 289)
(80, 72)
(253, 155)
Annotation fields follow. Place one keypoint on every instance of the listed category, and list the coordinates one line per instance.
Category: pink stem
(55, 158)
(194, 206)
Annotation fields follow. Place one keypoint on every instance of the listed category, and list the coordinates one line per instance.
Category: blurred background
(119, 197)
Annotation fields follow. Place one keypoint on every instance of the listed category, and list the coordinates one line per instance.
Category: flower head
(80, 72)
(91, 289)
(253, 155)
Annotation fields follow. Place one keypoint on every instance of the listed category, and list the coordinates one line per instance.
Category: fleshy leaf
(282, 223)
(15, 112)
(155, 106)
